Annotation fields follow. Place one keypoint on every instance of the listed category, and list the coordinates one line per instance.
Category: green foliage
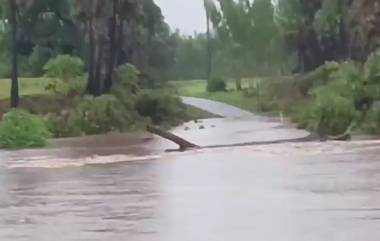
(337, 110)
(161, 107)
(372, 68)
(216, 84)
(64, 67)
(75, 88)
(102, 114)
(327, 20)
(72, 88)
(64, 124)
(190, 55)
(20, 129)
(94, 115)
(334, 101)
(315, 31)
(127, 78)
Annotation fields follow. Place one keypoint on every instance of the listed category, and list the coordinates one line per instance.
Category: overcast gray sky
(186, 15)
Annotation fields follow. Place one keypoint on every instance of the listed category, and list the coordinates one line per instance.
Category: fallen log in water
(185, 145)
(182, 143)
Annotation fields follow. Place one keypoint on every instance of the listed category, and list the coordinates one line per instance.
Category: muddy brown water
(125, 187)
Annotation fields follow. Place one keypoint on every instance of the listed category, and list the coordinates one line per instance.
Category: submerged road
(99, 188)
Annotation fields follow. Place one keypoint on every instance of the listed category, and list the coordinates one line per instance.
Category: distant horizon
(185, 15)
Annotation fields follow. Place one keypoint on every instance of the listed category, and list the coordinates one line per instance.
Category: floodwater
(125, 187)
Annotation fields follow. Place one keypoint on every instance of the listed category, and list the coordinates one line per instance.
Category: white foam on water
(298, 149)
(275, 150)
(316, 148)
(53, 163)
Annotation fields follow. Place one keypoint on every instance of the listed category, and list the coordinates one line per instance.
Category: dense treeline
(263, 37)
(245, 37)
(327, 50)
(105, 34)
(99, 65)
(330, 44)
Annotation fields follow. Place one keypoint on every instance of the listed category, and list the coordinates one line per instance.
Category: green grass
(197, 88)
(28, 86)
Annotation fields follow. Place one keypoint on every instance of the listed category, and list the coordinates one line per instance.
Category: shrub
(72, 88)
(64, 67)
(335, 100)
(216, 84)
(101, 114)
(372, 68)
(96, 115)
(161, 108)
(20, 129)
(127, 78)
(75, 88)
(318, 77)
(64, 124)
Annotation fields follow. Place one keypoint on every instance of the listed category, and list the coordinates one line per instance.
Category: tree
(208, 7)
(365, 37)
(92, 15)
(249, 26)
(105, 33)
(317, 30)
(14, 28)
(112, 46)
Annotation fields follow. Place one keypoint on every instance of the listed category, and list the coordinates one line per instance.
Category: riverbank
(283, 97)
(65, 115)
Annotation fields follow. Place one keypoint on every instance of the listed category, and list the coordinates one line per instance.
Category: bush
(64, 124)
(162, 108)
(72, 88)
(127, 78)
(20, 129)
(102, 114)
(216, 84)
(335, 100)
(64, 67)
(95, 115)
(75, 88)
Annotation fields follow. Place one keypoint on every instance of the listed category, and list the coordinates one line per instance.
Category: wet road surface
(99, 188)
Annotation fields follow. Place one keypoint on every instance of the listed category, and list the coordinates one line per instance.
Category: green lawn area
(28, 86)
(197, 88)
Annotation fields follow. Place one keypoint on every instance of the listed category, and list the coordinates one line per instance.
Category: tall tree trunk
(111, 61)
(343, 34)
(209, 50)
(98, 69)
(120, 40)
(91, 58)
(14, 84)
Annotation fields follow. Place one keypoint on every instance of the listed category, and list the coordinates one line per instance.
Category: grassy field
(28, 86)
(197, 88)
